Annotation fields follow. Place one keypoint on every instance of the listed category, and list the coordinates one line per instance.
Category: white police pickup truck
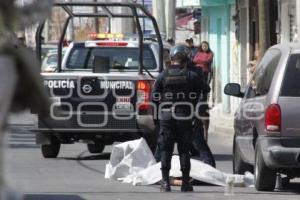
(101, 92)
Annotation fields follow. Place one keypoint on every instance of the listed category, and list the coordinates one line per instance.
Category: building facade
(218, 29)
(288, 20)
(248, 22)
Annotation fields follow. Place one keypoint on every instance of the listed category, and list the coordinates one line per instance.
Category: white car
(49, 63)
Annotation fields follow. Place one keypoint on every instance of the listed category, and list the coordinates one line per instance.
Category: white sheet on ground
(133, 162)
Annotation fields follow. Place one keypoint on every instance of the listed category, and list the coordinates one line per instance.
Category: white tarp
(133, 162)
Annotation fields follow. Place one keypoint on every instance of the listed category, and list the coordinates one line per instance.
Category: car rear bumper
(97, 123)
(277, 156)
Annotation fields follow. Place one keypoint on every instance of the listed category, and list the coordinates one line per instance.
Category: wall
(244, 54)
(219, 31)
(285, 9)
(237, 70)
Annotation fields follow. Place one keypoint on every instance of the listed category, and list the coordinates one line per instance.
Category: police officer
(200, 149)
(192, 49)
(174, 91)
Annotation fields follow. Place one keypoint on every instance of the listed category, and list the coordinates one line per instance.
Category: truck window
(291, 82)
(77, 58)
(263, 76)
(120, 58)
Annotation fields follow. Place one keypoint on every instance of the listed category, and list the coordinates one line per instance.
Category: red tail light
(143, 94)
(112, 44)
(273, 118)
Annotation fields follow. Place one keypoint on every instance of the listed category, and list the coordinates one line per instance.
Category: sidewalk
(220, 122)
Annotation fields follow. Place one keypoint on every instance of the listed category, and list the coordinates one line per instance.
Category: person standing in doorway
(253, 63)
(191, 47)
(203, 59)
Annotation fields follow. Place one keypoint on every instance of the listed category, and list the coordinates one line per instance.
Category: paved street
(97, 61)
(77, 175)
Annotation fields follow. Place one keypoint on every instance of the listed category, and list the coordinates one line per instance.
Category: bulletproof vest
(175, 85)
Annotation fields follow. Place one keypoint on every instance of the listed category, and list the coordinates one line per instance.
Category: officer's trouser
(200, 150)
(171, 131)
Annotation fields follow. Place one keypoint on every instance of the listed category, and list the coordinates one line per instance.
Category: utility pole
(264, 25)
(170, 18)
(96, 24)
(119, 25)
(298, 19)
(159, 14)
(144, 24)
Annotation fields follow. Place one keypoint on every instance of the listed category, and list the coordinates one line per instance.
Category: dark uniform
(176, 85)
(200, 149)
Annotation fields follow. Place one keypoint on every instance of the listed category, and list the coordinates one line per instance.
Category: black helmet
(180, 52)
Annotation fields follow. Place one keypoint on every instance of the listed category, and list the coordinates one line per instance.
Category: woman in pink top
(203, 59)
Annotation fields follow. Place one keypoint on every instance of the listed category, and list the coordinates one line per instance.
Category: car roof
(293, 47)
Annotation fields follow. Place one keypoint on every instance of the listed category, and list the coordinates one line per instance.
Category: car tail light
(143, 94)
(273, 118)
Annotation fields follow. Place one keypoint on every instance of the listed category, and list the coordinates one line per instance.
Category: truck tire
(51, 150)
(97, 147)
(238, 165)
(264, 177)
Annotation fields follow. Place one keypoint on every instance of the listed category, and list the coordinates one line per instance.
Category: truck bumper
(277, 156)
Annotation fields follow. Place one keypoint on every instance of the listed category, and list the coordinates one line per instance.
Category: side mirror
(101, 64)
(233, 89)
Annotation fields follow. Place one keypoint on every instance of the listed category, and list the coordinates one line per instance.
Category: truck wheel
(97, 147)
(51, 150)
(239, 166)
(264, 177)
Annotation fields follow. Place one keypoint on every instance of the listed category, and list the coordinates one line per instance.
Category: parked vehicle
(49, 63)
(102, 86)
(266, 124)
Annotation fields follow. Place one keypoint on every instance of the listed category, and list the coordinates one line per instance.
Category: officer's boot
(186, 185)
(165, 182)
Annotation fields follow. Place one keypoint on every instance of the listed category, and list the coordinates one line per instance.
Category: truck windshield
(120, 58)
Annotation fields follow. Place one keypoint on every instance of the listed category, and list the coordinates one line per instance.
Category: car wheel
(51, 150)
(239, 166)
(264, 177)
(97, 147)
